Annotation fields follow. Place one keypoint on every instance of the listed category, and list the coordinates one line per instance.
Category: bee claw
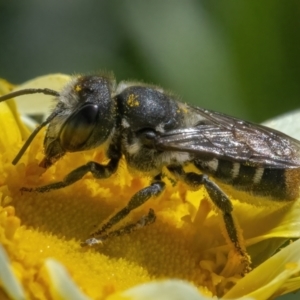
(91, 242)
(26, 189)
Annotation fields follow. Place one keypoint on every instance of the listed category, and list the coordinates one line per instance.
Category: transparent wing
(229, 138)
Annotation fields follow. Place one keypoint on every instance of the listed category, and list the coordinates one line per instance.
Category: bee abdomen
(278, 184)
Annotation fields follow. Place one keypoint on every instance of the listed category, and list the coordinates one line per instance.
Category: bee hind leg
(222, 202)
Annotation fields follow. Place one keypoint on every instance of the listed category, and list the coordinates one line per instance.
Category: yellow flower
(183, 254)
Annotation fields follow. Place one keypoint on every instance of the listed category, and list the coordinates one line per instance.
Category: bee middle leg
(153, 190)
(221, 201)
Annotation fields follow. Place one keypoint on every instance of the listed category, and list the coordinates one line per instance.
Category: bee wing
(225, 137)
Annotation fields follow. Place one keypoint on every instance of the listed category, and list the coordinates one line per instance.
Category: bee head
(85, 118)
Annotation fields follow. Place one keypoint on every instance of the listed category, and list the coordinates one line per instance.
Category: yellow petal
(10, 119)
(272, 278)
(10, 131)
(37, 103)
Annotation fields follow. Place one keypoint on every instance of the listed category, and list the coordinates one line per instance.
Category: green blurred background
(235, 56)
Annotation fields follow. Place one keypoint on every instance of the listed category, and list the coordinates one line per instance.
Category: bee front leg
(222, 202)
(98, 171)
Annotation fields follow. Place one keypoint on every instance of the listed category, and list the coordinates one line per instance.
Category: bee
(155, 132)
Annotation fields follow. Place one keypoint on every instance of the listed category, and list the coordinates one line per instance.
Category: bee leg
(97, 170)
(129, 228)
(154, 190)
(221, 201)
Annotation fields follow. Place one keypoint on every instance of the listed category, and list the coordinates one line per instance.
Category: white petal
(62, 282)
(8, 279)
(164, 290)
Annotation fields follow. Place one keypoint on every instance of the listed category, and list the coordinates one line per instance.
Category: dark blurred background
(239, 57)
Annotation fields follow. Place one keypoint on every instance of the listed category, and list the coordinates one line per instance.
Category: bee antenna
(35, 132)
(32, 136)
(28, 92)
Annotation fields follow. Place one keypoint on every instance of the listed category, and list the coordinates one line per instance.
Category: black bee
(154, 132)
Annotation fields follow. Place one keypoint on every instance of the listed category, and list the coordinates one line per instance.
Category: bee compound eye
(78, 128)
